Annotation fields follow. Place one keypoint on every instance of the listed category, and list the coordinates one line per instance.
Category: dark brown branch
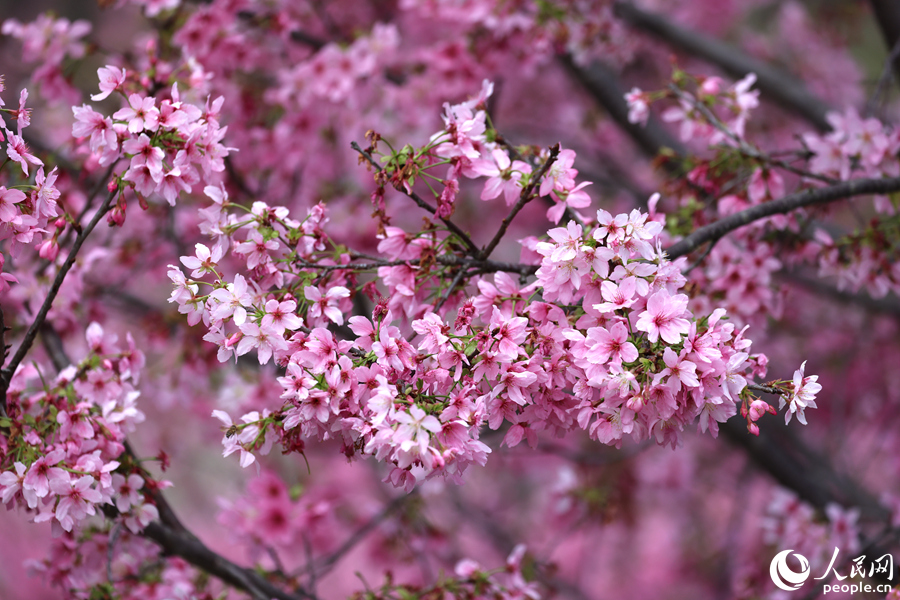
(484, 266)
(782, 87)
(460, 275)
(791, 202)
(525, 196)
(883, 306)
(779, 452)
(310, 40)
(53, 346)
(603, 85)
(64, 240)
(470, 245)
(191, 549)
(887, 13)
(35, 326)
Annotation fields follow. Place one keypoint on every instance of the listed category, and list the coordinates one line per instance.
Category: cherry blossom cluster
(792, 523)
(63, 439)
(112, 562)
(270, 517)
(25, 216)
(50, 42)
(467, 145)
(641, 362)
(696, 111)
(164, 144)
(610, 347)
(866, 258)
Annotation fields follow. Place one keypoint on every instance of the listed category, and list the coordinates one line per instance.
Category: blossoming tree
(357, 246)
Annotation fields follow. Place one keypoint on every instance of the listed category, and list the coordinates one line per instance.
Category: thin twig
(328, 562)
(883, 79)
(756, 387)
(446, 295)
(791, 202)
(702, 257)
(64, 241)
(525, 196)
(742, 145)
(470, 245)
(35, 326)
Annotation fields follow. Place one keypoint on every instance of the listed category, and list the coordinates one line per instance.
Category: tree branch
(603, 84)
(328, 562)
(525, 196)
(783, 87)
(170, 533)
(824, 195)
(782, 454)
(472, 248)
(31, 334)
(887, 13)
(883, 306)
(191, 549)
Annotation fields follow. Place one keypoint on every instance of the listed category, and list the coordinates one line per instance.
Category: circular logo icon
(783, 576)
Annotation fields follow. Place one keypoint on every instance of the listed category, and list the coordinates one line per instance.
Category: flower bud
(49, 250)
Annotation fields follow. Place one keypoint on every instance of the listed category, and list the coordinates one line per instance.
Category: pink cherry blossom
(326, 305)
(141, 114)
(664, 317)
(802, 396)
(111, 78)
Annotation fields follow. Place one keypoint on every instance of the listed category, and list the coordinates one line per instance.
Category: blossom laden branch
(463, 236)
(191, 549)
(791, 202)
(41, 316)
(525, 196)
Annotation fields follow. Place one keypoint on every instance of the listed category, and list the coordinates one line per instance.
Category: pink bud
(635, 403)
(757, 409)
(711, 86)
(117, 216)
(48, 250)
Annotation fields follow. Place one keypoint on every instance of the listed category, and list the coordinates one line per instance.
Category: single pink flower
(664, 317)
(110, 79)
